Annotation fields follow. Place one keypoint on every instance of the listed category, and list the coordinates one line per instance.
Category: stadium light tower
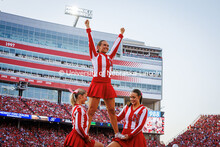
(78, 12)
(21, 86)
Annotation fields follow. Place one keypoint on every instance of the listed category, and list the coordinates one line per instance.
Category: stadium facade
(50, 58)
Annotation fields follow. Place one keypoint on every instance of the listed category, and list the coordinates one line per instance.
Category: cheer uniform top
(100, 86)
(79, 133)
(133, 125)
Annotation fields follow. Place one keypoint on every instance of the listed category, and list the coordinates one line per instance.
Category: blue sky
(188, 31)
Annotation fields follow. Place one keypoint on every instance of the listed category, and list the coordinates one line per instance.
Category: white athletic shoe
(119, 135)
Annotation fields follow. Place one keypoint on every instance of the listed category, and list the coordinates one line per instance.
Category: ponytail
(74, 95)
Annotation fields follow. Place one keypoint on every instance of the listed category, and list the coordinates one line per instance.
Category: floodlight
(78, 12)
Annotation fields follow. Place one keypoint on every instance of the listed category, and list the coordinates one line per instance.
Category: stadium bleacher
(205, 132)
(48, 134)
(13, 104)
(42, 108)
(19, 132)
(41, 133)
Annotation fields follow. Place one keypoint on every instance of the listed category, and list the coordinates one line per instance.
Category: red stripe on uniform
(140, 115)
(130, 117)
(73, 117)
(99, 66)
(107, 66)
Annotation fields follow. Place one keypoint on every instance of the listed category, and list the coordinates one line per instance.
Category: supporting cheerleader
(79, 136)
(135, 116)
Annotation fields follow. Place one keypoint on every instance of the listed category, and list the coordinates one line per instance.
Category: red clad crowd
(105, 114)
(153, 142)
(46, 108)
(205, 132)
(43, 108)
(30, 134)
(48, 134)
(41, 134)
(13, 104)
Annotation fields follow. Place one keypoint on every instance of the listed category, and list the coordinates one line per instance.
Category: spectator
(205, 132)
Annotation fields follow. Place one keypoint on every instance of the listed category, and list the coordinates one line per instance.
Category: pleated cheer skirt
(101, 89)
(136, 141)
(73, 139)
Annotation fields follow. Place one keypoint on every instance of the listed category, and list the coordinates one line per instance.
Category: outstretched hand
(122, 30)
(87, 24)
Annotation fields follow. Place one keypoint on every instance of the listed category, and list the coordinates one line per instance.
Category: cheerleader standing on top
(78, 137)
(100, 86)
(135, 116)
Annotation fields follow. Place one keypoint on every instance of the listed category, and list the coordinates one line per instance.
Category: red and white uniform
(102, 67)
(80, 121)
(134, 123)
(79, 133)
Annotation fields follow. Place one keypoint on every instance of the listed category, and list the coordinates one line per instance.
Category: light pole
(78, 12)
(21, 86)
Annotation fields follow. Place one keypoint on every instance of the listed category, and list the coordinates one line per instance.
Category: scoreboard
(154, 123)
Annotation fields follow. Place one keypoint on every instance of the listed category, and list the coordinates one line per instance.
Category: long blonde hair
(74, 95)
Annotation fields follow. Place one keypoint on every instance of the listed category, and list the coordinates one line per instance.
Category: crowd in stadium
(13, 104)
(47, 134)
(29, 133)
(46, 108)
(43, 108)
(205, 132)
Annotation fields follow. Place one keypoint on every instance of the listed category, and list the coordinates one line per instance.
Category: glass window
(30, 28)
(76, 42)
(43, 31)
(48, 36)
(29, 54)
(6, 50)
(54, 37)
(148, 87)
(8, 24)
(138, 85)
(128, 84)
(12, 51)
(8, 89)
(2, 22)
(123, 84)
(134, 85)
(2, 26)
(42, 35)
(37, 30)
(65, 97)
(40, 93)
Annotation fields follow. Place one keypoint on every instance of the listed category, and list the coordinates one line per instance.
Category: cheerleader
(79, 136)
(135, 116)
(100, 86)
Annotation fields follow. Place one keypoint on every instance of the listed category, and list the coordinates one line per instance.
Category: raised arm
(79, 122)
(92, 50)
(116, 44)
(141, 123)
